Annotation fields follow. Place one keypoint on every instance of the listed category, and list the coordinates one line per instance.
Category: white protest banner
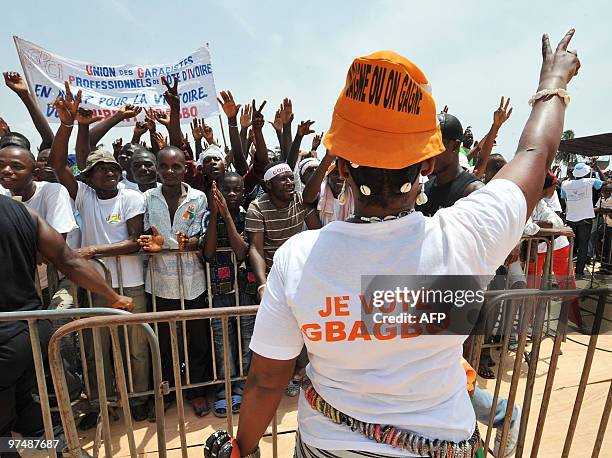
(106, 88)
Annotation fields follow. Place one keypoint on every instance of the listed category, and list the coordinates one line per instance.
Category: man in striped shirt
(273, 218)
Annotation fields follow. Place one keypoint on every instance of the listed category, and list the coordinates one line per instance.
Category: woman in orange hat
(389, 390)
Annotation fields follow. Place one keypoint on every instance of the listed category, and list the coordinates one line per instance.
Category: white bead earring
(422, 197)
(406, 187)
(342, 195)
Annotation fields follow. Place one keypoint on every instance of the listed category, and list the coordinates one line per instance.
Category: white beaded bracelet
(548, 92)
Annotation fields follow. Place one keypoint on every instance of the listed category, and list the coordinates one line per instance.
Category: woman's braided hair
(383, 184)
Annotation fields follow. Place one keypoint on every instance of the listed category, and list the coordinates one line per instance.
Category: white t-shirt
(299, 186)
(73, 239)
(555, 205)
(127, 184)
(545, 212)
(578, 195)
(52, 202)
(553, 202)
(104, 221)
(418, 383)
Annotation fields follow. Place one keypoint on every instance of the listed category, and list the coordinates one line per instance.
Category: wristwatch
(220, 444)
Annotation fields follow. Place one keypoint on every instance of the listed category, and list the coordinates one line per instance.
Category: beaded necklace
(376, 219)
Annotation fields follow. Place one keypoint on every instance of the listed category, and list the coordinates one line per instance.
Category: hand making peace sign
(558, 67)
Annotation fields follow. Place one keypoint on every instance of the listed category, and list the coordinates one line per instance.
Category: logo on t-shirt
(576, 194)
(190, 212)
(114, 218)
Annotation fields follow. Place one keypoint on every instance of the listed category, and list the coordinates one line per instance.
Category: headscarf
(306, 163)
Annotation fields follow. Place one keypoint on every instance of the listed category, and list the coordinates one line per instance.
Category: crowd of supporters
(228, 209)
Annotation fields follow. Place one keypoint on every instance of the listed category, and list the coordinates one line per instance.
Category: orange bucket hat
(385, 116)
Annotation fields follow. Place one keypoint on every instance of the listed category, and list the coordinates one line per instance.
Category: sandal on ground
(236, 401)
(220, 408)
(200, 406)
(89, 421)
(485, 372)
(140, 412)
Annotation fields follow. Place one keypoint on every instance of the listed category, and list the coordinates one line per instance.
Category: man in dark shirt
(23, 234)
(449, 182)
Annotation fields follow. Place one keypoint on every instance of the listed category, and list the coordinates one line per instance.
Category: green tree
(567, 134)
(563, 156)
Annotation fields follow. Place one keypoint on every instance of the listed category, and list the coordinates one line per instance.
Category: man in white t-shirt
(50, 200)
(112, 221)
(44, 172)
(579, 212)
(312, 295)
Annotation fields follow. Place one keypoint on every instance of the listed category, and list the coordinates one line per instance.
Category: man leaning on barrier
(23, 234)
(173, 220)
(111, 221)
(21, 176)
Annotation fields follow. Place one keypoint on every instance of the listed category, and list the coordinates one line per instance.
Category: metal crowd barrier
(545, 279)
(32, 318)
(511, 308)
(95, 323)
(103, 317)
(160, 387)
(547, 271)
(150, 259)
(604, 259)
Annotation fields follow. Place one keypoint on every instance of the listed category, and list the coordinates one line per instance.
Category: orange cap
(385, 116)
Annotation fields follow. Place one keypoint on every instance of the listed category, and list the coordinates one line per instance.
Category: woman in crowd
(374, 392)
